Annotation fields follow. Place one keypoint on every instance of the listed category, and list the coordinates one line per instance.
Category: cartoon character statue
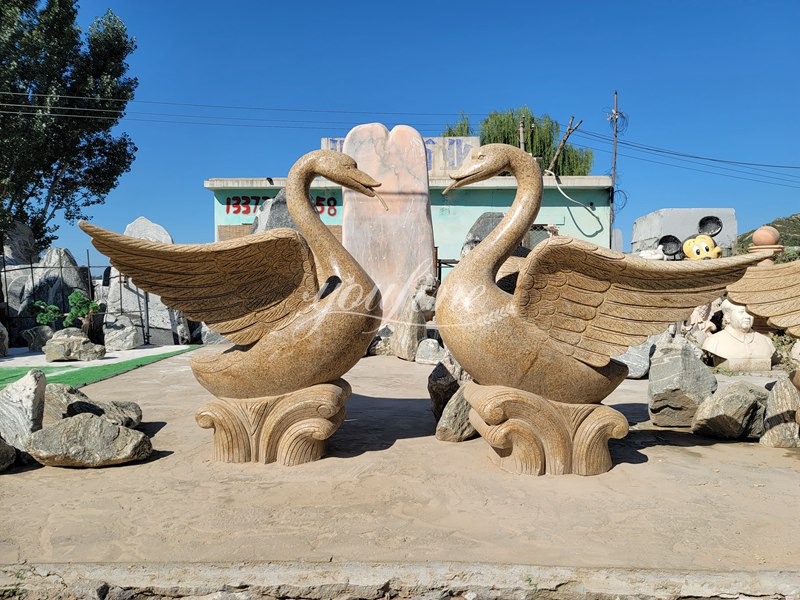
(701, 247)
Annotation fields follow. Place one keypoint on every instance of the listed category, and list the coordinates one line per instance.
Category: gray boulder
(37, 337)
(781, 428)
(480, 229)
(72, 344)
(121, 333)
(167, 326)
(380, 346)
(7, 455)
(3, 340)
(679, 383)
(209, 336)
(637, 358)
(444, 381)
(429, 352)
(733, 413)
(19, 245)
(274, 213)
(124, 414)
(454, 425)
(57, 397)
(22, 409)
(86, 440)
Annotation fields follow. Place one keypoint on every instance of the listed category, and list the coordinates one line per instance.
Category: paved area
(21, 357)
(390, 493)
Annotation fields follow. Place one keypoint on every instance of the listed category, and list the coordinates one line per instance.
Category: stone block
(71, 344)
(86, 440)
(679, 383)
(781, 428)
(734, 413)
(454, 424)
(121, 333)
(429, 352)
(22, 409)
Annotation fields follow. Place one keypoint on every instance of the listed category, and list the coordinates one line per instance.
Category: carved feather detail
(771, 292)
(214, 282)
(594, 303)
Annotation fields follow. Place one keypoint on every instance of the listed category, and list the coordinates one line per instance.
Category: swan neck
(501, 242)
(329, 255)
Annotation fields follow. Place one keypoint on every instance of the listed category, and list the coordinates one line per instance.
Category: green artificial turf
(77, 376)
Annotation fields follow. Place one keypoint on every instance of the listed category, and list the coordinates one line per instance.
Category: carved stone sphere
(766, 236)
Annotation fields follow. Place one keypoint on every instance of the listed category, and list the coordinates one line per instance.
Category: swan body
(299, 308)
(575, 305)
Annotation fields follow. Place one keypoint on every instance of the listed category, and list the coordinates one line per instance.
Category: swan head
(342, 169)
(481, 163)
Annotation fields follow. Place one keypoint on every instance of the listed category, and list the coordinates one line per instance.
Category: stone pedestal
(532, 435)
(290, 429)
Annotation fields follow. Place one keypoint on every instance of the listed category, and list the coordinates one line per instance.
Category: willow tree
(61, 94)
(540, 135)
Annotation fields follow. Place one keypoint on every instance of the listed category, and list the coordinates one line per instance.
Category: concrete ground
(22, 357)
(675, 506)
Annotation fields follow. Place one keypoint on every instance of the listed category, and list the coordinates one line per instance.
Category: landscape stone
(120, 333)
(3, 340)
(394, 246)
(72, 344)
(637, 358)
(429, 352)
(167, 326)
(22, 409)
(19, 245)
(37, 337)
(86, 440)
(733, 413)
(380, 346)
(482, 227)
(679, 383)
(409, 330)
(781, 428)
(444, 381)
(57, 397)
(210, 336)
(454, 424)
(794, 355)
(7, 455)
(274, 213)
(118, 412)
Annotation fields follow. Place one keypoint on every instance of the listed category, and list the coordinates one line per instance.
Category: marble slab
(396, 246)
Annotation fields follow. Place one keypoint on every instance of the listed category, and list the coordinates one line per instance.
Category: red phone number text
(246, 204)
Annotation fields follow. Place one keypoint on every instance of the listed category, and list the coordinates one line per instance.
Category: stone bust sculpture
(737, 346)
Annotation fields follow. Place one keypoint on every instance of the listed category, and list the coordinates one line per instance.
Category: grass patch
(78, 376)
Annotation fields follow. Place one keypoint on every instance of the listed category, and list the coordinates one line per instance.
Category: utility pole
(522, 133)
(615, 121)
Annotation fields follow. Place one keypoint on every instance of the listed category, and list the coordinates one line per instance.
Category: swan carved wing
(771, 292)
(242, 288)
(593, 303)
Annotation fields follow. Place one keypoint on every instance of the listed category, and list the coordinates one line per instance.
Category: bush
(80, 307)
(45, 313)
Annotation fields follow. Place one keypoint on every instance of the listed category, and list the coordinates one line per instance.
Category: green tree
(61, 94)
(540, 134)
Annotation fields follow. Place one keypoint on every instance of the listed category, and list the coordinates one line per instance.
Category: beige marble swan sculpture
(299, 308)
(547, 348)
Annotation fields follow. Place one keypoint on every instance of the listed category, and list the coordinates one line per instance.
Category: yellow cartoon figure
(701, 247)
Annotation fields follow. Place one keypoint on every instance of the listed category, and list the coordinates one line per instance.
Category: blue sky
(716, 79)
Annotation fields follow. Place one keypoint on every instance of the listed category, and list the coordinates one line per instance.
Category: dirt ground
(389, 491)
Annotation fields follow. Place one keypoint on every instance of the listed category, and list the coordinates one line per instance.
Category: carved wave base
(290, 429)
(535, 436)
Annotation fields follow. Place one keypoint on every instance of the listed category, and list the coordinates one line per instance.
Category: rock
(3, 340)
(120, 333)
(86, 440)
(124, 414)
(22, 409)
(734, 413)
(19, 245)
(679, 383)
(167, 326)
(274, 213)
(429, 352)
(409, 331)
(444, 381)
(637, 358)
(480, 229)
(380, 346)
(72, 344)
(794, 355)
(781, 429)
(212, 337)
(37, 337)
(7, 455)
(454, 425)
(57, 397)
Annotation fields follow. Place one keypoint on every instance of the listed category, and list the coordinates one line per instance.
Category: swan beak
(363, 183)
